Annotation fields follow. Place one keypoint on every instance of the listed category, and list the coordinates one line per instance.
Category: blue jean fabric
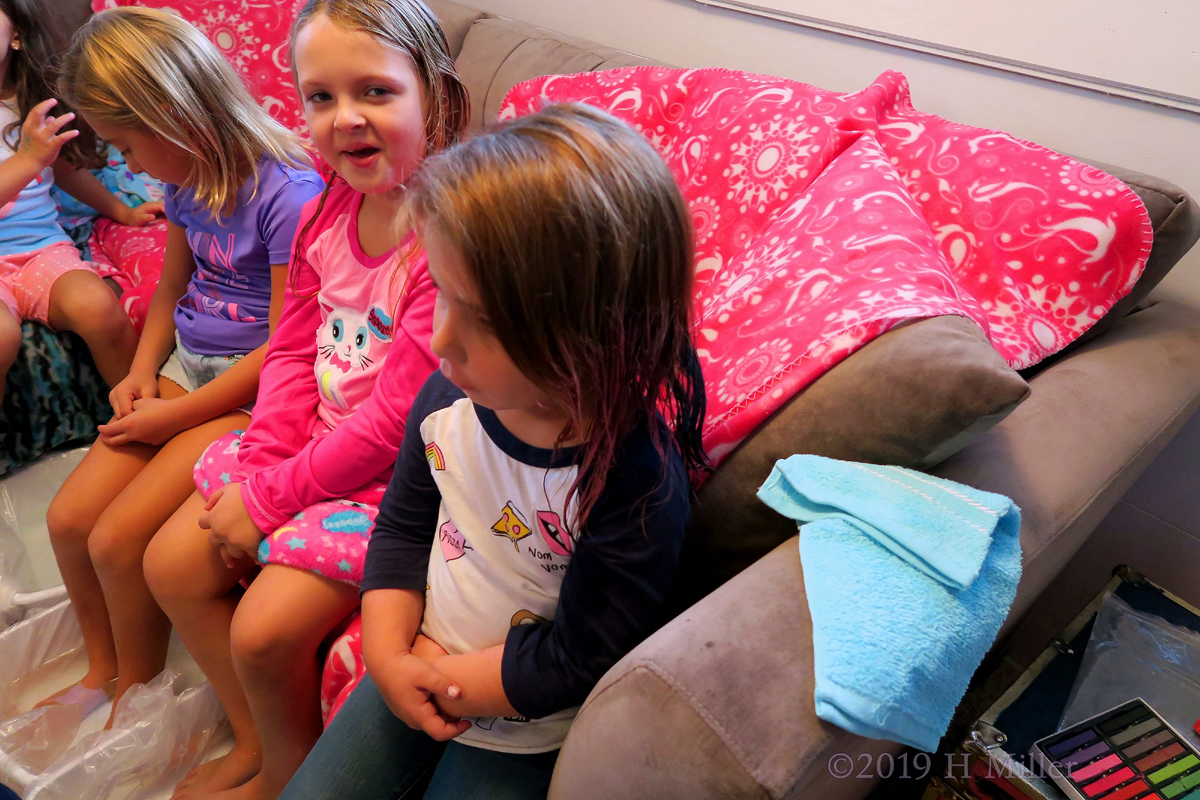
(367, 753)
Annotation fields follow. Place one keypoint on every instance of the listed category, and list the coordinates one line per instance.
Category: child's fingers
(124, 402)
(56, 124)
(113, 428)
(438, 727)
(38, 113)
(434, 682)
(227, 557)
(116, 440)
(63, 138)
(213, 498)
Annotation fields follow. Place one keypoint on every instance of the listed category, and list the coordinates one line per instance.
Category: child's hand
(427, 649)
(229, 526)
(135, 386)
(40, 137)
(408, 685)
(142, 215)
(152, 420)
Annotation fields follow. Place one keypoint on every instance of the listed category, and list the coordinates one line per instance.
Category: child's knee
(166, 574)
(67, 522)
(10, 337)
(261, 640)
(85, 305)
(253, 644)
(112, 552)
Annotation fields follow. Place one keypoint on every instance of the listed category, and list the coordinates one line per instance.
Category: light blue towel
(908, 577)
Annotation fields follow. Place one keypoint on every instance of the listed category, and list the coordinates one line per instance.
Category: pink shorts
(27, 278)
(329, 538)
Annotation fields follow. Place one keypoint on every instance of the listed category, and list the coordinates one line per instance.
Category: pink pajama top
(348, 357)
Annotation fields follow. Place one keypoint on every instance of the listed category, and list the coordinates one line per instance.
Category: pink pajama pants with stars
(328, 538)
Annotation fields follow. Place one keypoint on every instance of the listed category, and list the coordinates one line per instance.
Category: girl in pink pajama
(297, 493)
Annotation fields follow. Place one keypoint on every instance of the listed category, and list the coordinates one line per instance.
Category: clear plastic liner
(16, 571)
(34, 740)
(157, 736)
(1134, 654)
(33, 647)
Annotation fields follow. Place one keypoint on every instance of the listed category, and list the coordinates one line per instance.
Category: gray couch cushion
(455, 20)
(910, 398)
(500, 53)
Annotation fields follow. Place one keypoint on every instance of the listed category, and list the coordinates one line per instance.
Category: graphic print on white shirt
(502, 547)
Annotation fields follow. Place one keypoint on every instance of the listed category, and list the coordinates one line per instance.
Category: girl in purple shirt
(154, 87)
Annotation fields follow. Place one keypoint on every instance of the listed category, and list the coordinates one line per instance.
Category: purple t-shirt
(224, 311)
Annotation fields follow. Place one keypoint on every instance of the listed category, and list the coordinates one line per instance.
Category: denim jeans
(367, 753)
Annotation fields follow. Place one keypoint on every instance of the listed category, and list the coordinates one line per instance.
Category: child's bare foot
(227, 772)
(88, 693)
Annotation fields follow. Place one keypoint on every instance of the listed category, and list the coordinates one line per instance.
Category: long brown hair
(32, 71)
(410, 26)
(579, 243)
(150, 69)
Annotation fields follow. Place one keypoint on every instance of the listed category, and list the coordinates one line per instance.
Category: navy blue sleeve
(615, 587)
(400, 546)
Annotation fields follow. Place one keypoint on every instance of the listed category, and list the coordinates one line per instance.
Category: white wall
(1131, 134)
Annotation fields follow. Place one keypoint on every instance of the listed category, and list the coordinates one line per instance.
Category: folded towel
(908, 577)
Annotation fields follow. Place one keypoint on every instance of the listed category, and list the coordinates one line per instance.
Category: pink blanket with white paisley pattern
(824, 219)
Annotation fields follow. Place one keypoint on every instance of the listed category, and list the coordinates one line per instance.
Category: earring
(16, 45)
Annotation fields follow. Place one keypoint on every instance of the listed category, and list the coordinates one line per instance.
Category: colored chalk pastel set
(1128, 753)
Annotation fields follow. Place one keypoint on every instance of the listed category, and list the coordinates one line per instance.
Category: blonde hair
(144, 68)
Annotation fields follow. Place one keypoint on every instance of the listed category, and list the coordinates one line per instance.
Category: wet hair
(579, 243)
(149, 69)
(32, 70)
(410, 26)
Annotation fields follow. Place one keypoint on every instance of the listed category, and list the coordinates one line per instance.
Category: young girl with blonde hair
(42, 277)
(537, 510)
(297, 492)
(152, 86)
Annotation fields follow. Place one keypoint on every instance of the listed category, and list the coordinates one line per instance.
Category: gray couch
(719, 703)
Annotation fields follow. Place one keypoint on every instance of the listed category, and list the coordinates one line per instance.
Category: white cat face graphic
(347, 342)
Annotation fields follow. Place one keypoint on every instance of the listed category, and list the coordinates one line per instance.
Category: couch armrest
(717, 704)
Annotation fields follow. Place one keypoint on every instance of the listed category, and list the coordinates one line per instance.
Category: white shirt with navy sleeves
(476, 518)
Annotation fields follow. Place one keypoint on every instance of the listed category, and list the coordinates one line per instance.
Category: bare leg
(279, 625)
(82, 303)
(10, 344)
(119, 539)
(88, 491)
(196, 589)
